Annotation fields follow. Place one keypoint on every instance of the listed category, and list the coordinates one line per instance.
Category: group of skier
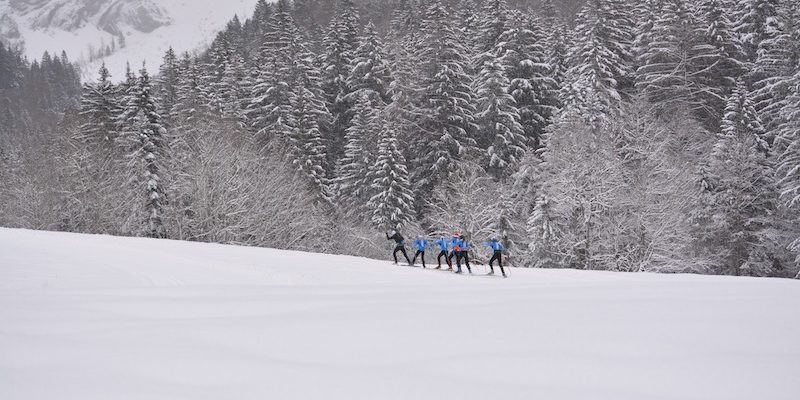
(457, 248)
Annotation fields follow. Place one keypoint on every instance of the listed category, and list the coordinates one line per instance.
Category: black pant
(402, 249)
(498, 255)
(465, 256)
(443, 253)
(414, 261)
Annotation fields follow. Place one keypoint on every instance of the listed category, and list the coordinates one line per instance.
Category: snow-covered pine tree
(485, 42)
(788, 160)
(531, 84)
(234, 89)
(95, 165)
(741, 118)
(753, 20)
(548, 12)
(790, 12)
(191, 101)
(270, 111)
(99, 112)
(403, 112)
(717, 59)
(392, 204)
(446, 104)
(742, 201)
(600, 55)
(143, 135)
(341, 42)
(789, 142)
(370, 72)
(498, 118)
(492, 24)
(621, 32)
(775, 64)
(556, 42)
(219, 58)
(127, 88)
(166, 83)
(468, 20)
(405, 19)
(646, 13)
(307, 147)
(353, 179)
(191, 114)
(668, 67)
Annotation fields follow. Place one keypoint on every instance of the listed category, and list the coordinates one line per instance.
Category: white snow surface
(193, 24)
(98, 317)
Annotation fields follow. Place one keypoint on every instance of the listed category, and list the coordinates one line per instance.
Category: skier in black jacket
(400, 241)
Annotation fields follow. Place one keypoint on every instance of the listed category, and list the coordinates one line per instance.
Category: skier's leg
(403, 249)
(491, 262)
(394, 254)
(466, 261)
(500, 262)
(439, 259)
(450, 259)
(414, 260)
(458, 262)
(423, 259)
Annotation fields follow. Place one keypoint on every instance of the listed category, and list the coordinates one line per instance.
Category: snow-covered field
(94, 317)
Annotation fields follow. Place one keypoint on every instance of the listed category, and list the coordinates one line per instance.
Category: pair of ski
(464, 273)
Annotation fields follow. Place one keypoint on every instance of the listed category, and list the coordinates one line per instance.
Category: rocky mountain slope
(114, 31)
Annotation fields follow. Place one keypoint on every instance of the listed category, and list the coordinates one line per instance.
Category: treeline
(642, 136)
(34, 95)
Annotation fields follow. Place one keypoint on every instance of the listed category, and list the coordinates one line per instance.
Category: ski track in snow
(97, 317)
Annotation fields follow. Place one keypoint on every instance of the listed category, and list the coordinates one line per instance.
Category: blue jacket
(465, 245)
(443, 244)
(455, 242)
(421, 244)
(495, 245)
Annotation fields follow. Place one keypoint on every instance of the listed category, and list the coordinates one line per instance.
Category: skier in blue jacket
(421, 244)
(498, 248)
(465, 246)
(455, 249)
(444, 246)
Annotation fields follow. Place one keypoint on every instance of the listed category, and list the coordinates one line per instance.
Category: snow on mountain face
(108, 15)
(115, 31)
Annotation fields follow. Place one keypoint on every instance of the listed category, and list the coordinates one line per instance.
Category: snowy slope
(94, 317)
(148, 28)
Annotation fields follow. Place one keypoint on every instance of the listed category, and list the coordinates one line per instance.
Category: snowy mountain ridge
(111, 16)
(114, 31)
